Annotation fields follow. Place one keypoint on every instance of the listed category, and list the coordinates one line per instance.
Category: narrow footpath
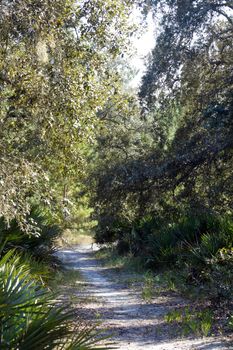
(133, 323)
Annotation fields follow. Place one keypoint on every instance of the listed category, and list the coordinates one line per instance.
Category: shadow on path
(134, 324)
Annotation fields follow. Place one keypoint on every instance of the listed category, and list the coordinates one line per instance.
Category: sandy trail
(134, 323)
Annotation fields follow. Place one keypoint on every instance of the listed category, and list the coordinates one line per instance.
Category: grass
(128, 269)
(112, 259)
(152, 283)
(148, 286)
(196, 320)
(133, 272)
(192, 321)
(67, 278)
(68, 284)
(71, 285)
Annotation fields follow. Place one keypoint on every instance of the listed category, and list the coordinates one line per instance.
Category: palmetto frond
(30, 317)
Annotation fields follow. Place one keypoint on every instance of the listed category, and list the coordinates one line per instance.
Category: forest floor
(104, 296)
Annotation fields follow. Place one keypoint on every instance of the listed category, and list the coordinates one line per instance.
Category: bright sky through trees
(143, 45)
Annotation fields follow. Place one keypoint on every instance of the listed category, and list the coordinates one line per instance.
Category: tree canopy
(55, 76)
(186, 99)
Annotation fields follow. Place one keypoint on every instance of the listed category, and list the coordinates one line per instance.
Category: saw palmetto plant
(32, 318)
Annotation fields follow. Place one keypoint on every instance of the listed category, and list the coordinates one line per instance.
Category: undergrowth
(192, 321)
(111, 258)
(35, 310)
(210, 311)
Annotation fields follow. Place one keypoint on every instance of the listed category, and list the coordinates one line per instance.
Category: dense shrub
(193, 239)
(201, 246)
(40, 244)
(219, 274)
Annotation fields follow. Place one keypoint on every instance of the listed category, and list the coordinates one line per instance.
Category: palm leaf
(30, 317)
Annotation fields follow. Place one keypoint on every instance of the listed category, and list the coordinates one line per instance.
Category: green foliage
(199, 249)
(128, 262)
(163, 179)
(219, 276)
(163, 243)
(186, 119)
(56, 75)
(148, 286)
(40, 244)
(191, 321)
(30, 316)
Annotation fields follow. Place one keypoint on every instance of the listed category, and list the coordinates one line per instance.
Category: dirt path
(134, 323)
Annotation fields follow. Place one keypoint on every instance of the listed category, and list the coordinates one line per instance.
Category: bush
(41, 244)
(199, 246)
(192, 240)
(169, 242)
(219, 274)
(30, 317)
